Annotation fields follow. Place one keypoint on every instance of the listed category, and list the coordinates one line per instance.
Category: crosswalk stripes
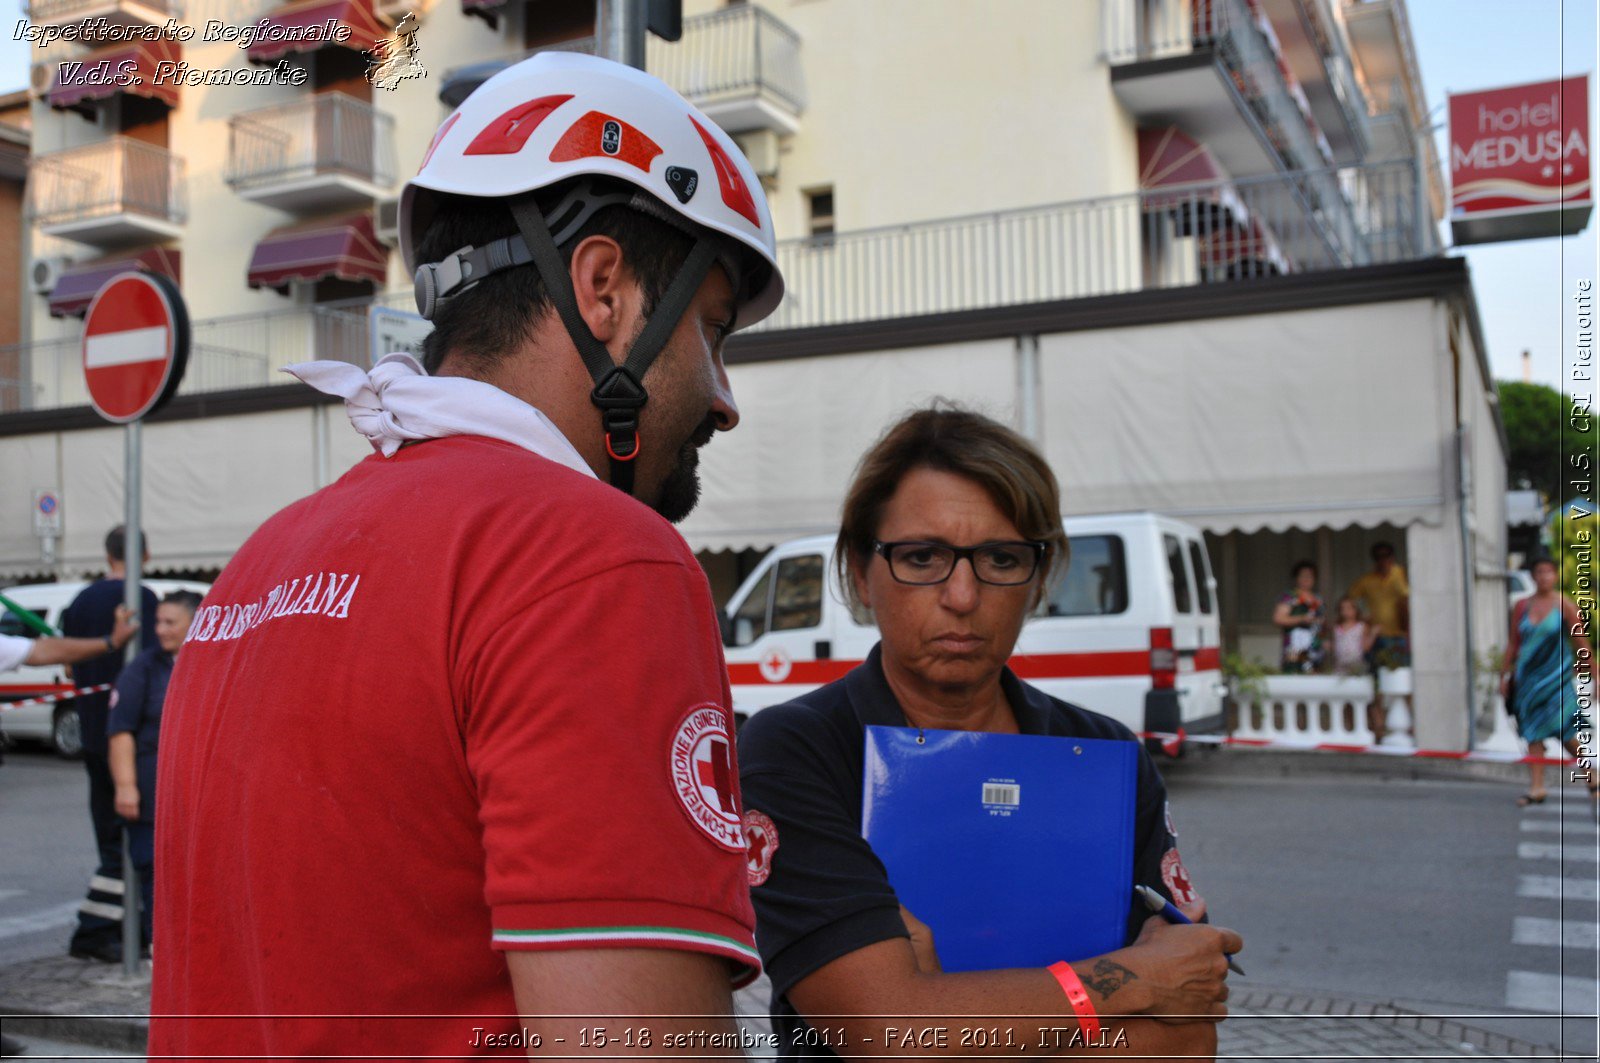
(1557, 994)
(1554, 888)
(1573, 831)
(1566, 985)
(1560, 933)
(1568, 854)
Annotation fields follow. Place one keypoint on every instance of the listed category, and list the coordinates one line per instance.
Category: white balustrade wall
(1310, 710)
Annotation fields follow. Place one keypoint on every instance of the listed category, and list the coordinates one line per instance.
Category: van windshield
(1096, 581)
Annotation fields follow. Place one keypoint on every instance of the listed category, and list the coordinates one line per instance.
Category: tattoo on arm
(1108, 977)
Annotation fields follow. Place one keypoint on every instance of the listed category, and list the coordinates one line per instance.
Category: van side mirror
(744, 631)
(725, 627)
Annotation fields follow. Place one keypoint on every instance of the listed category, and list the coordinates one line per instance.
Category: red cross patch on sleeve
(762, 835)
(703, 774)
(1179, 886)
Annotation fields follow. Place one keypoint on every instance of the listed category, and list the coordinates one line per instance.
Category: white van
(56, 722)
(1131, 631)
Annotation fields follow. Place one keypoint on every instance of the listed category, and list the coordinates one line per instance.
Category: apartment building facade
(1190, 246)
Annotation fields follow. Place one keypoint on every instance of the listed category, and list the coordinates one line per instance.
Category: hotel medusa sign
(1519, 162)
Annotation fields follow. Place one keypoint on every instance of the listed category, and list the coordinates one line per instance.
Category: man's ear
(605, 288)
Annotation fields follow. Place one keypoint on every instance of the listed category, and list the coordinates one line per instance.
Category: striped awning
(1247, 250)
(79, 84)
(343, 247)
(299, 28)
(77, 287)
(1199, 193)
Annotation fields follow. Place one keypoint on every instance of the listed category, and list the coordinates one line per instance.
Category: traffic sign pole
(135, 349)
(132, 580)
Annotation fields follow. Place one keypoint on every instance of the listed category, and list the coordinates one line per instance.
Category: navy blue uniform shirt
(92, 615)
(825, 893)
(141, 692)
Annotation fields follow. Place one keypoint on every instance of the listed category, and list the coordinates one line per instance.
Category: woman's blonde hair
(950, 439)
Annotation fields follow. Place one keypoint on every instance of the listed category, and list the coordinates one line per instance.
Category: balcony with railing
(325, 153)
(62, 14)
(108, 194)
(1178, 235)
(226, 354)
(1174, 236)
(1314, 47)
(740, 65)
(1217, 69)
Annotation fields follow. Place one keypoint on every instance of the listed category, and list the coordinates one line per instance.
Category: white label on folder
(1001, 796)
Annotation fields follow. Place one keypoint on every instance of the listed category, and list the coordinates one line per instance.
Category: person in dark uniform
(134, 731)
(949, 536)
(91, 615)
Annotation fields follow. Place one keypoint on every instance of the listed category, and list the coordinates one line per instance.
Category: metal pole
(134, 570)
(1469, 573)
(619, 30)
(1028, 419)
(1424, 211)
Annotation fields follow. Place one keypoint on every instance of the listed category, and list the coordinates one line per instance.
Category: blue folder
(1016, 850)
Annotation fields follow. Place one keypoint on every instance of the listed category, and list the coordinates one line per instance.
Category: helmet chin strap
(618, 389)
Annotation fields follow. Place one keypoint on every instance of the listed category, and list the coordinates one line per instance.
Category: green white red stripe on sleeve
(658, 937)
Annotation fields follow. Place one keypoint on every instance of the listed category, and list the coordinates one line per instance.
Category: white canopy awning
(1315, 418)
(1306, 419)
(805, 423)
(208, 484)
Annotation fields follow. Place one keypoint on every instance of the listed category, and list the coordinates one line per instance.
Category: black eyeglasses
(922, 564)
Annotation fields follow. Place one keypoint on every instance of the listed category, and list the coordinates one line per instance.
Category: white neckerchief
(398, 401)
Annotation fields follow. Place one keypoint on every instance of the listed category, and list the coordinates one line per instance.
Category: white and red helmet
(559, 116)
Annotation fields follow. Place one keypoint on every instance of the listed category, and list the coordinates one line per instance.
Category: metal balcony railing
(1173, 236)
(114, 176)
(737, 49)
(327, 134)
(1161, 238)
(733, 51)
(226, 353)
(1136, 31)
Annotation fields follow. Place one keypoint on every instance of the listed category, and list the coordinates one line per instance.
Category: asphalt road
(47, 852)
(1438, 896)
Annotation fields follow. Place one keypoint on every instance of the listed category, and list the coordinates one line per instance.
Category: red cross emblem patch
(703, 775)
(1179, 886)
(763, 837)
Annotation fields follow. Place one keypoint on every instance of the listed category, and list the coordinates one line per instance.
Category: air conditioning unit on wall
(386, 221)
(45, 273)
(760, 146)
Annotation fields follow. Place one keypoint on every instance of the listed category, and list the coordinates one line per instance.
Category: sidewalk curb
(1278, 763)
(58, 998)
(124, 1033)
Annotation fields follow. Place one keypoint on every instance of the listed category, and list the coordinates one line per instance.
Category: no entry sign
(135, 345)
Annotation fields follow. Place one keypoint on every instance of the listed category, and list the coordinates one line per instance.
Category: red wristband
(1078, 997)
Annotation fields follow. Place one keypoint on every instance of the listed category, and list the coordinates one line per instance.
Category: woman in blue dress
(1548, 649)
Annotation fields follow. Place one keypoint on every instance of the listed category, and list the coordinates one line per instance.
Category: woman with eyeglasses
(950, 533)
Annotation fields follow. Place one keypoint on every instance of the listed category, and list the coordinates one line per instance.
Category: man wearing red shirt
(447, 759)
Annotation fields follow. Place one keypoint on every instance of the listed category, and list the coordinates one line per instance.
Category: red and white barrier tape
(1170, 743)
(49, 698)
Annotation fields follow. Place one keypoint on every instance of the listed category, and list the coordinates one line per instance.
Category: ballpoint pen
(1169, 911)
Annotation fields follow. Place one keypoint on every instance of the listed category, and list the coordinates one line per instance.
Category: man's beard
(680, 491)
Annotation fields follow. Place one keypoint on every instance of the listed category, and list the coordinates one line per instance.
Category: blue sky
(1524, 288)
